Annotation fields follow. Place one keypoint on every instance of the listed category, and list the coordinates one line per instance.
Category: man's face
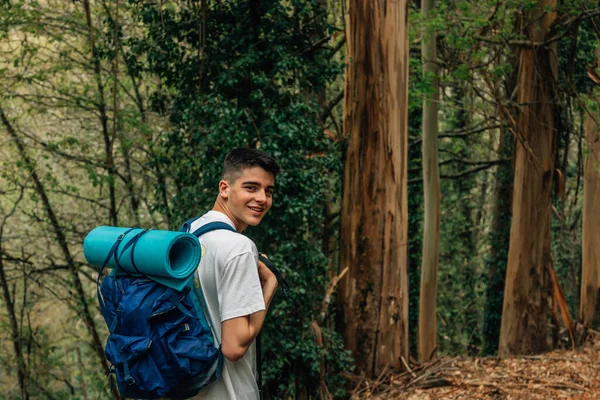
(249, 197)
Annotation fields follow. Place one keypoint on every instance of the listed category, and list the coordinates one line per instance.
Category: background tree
(374, 294)
(8, 299)
(589, 311)
(126, 115)
(432, 196)
(525, 313)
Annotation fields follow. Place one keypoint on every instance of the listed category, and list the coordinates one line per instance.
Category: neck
(221, 207)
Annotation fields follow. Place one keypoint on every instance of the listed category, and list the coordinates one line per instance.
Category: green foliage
(567, 260)
(497, 257)
(459, 297)
(253, 82)
(194, 83)
(415, 205)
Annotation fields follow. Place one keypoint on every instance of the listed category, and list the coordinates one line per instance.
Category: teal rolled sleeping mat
(166, 257)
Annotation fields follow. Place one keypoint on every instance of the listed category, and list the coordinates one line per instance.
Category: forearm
(239, 333)
(257, 319)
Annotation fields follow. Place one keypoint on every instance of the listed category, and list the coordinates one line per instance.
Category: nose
(261, 196)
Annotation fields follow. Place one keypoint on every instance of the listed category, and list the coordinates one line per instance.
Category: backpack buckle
(128, 378)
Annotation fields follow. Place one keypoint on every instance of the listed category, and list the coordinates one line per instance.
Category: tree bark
(431, 195)
(589, 309)
(374, 294)
(528, 287)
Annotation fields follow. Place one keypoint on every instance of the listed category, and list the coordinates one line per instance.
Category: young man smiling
(237, 287)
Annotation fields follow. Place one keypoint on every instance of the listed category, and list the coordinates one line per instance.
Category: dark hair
(241, 158)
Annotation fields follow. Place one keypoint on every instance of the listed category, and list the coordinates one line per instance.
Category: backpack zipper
(165, 311)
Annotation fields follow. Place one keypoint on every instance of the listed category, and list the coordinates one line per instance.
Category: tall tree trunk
(528, 287)
(64, 246)
(374, 294)
(431, 195)
(589, 309)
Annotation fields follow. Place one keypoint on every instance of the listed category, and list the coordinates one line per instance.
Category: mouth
(257, 209)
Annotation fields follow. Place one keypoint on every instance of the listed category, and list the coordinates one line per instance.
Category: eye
(269, 192)
(251, 188)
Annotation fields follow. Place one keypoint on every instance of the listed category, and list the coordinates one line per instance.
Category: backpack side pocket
(138, 376)
(186, 340)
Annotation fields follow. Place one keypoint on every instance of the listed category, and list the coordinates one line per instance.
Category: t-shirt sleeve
(240, 292)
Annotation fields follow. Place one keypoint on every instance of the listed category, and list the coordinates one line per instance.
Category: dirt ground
(560, 374)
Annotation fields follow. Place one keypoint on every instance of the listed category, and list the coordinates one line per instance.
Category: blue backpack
(160, 342)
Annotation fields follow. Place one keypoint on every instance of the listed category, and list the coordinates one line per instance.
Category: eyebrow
(257, 184)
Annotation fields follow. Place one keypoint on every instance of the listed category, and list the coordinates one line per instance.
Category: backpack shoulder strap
(187, 225)
(212, 226)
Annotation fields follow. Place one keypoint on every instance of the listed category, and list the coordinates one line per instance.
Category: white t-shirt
(228, 276)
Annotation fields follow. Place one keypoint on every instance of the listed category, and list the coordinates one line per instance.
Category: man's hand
(267, 278)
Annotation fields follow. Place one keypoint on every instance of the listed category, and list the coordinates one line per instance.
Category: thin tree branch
(338, 46)
(459, 134)
(330, 106)
(584, 15)
(457, 176)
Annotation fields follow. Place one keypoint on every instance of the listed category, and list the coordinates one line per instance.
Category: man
(237, 287)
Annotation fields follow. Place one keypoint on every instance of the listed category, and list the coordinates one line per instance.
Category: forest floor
(560, 374)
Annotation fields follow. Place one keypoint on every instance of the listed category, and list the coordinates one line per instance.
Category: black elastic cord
(132, 243)
(111, 252)
(284, 285)
(259, 366)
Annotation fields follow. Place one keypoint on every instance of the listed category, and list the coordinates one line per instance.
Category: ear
(224, 189)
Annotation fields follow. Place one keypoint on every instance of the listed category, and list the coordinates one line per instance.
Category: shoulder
(229, 239)
(228, 245)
